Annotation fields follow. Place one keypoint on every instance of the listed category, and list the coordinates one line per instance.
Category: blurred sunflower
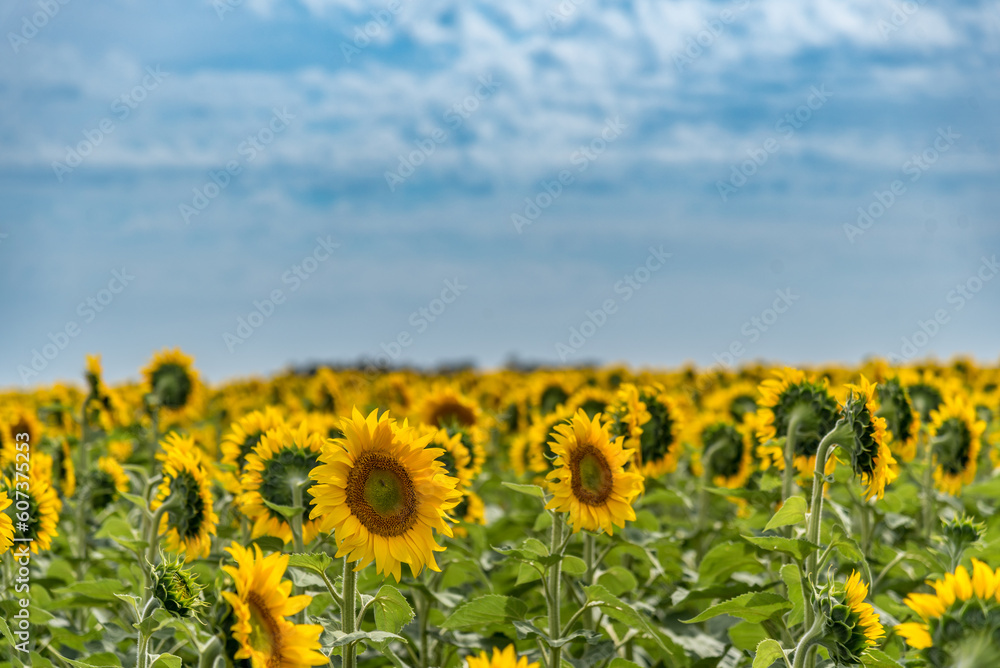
(110, 481)
(121, 449)
(960, 605)
(592, 400)
(652, 421)
(172, 379)
(506, 658)
(261, 606)
(852, 626)
(902, 420)
(456, 458)
(284, 457)
(445, 407)
(190, 521)
(956, 437)
(538, 452)
(44, 506)
(589, 481)
(14, 421)
(871, 459)
(726, 453)
(243, 436)
(383, 492)
(93, 375)
(323, 392)
(736, 400)
(470, 510)
(6, 524)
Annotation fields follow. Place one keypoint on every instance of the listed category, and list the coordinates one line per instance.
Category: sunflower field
(588, 517)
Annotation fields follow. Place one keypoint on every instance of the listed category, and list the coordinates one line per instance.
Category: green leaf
(134, 498)
(288, 512)
(101, 590)
(573, 565)
(317, 562)
(5, 632)
(791, 576)
(376, 637)
(526, 573)
(167, 661)
(746, 636)
(876, 659)
(797, 547)
(392, 612)
(530, 490)
(529, 630)
(102, 660)
(753, 607)
(792, 511)
(270, 544)
(622, 663)
(725, 559)
(618, 580)
(621, 611)
(768, 651)
(489, 609)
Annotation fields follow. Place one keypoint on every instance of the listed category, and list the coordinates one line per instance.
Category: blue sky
(647, 110)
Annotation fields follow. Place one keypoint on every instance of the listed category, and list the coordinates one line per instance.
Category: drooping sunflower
(956, 437)
(871, 459)
(737, 400)
(172, 378)
(6, 524)
(902, 420)
(590, 482)
(793, 396)
(44, 506)
(383, 493)
(284, 457)
(243, 436)
(960, 605)
(652, 421)
(726, 452)
(506, 658)
(261, 606)
(852, 626)
(444, 407)
(189, 522)
(110, 481)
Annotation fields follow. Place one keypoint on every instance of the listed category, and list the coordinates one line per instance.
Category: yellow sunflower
(902, 419)
(471, 510)
(172, 378)
(93, 375)
(592, 400)
(538, 453)
(121, 448)
(190, 521)
(943, 611)
(243, 436)
(283, 457)
(6, 524)
(43, 507)
(383, 492)
(652, 421)
(852, 626)
(261, 606)
(444, 406)
(956, 439)
(19, 420)
(456, 458)
(323, 392)
(506, 658)
(726, 451)
(590, 481)
(871, 458)
(111, 481)
(736, 400)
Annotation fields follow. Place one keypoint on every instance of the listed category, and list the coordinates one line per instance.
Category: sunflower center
(173, 385)
(281, 471)
(594, 406)
(552, 397)
(817, 412)
(592, 479)
(381, 495)
(953, 446)
(724, 449)
(657, 438)
(742, 405)
(189, 516)
(926, 398)
(265, 633)
(452, 413)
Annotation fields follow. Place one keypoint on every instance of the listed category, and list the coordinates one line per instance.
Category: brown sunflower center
(592, 479)
(380, 494)
(265, 633)
(450, 413)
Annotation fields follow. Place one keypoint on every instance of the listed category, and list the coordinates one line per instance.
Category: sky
(266, 183)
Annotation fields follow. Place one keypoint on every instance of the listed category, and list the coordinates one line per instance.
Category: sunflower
(284, 457)
(189, 522)
(456, 458)
(549, 391)
(240, 441)
(323, 392)
(737, 400)
(956, 437)
(171, 377)
(871, 459)
(959, 603)
(18, 421)
(43, 510)
(652, 421)
(93, 375)
(589, 481)
(177, 589)
(794, 395)
(852, 626)
(121, 449)
(6, 524)
(470, 510)
(726, 453)
(902, 420)
(64, 473)
(445, 407)
(506, 658)
(538, 453)
(261, 605)
(592, 400)
(110, 481)
(383, 492)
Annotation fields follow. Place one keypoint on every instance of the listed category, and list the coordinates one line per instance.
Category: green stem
(589, 548)
(297, 518)
(555, 575)
(348, 616)
(153, 529)
(807, 641)
(788, 481)
(929, 509)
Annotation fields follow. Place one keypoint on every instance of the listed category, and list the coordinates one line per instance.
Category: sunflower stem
(348, 615)
(807, 641)
(297, 487)
(555, 575)
(928, 484)
(153, 529)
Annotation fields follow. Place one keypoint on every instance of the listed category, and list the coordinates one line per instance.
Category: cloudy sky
(474, 180)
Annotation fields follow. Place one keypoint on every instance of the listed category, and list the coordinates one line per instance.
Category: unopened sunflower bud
(176, 589)
(851, 625)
